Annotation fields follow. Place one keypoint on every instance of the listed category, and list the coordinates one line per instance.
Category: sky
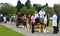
(42, 2)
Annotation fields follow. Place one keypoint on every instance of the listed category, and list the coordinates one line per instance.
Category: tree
(31, 11)
(24, 10)
(45, 5)
(8, 9)
(48, 9)
(37, 7)
(28, 4)
(57, 8)
(19, 6)
(13, 10)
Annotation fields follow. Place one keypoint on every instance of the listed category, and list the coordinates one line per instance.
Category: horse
(41, 24)
(23, 23)
(45, 23)
(36, 25)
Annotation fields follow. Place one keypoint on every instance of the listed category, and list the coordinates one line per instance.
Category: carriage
(22, 22)
(39, 25)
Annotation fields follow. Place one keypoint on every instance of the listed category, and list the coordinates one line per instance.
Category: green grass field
(8, 32)
(50, 23)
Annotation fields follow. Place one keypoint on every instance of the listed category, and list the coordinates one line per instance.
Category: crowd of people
(20, 19)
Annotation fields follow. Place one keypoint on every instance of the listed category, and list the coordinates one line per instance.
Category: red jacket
(19, 15)
(29, 20)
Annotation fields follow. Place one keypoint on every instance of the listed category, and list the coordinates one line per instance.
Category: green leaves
(48, 9)
(8, 9)
(37, 7)
(19, 6)
(57, 8)
(28, 4)
(24, 10)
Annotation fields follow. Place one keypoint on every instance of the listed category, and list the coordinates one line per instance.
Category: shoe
(55, 33)
(58, 31)
(32, 31)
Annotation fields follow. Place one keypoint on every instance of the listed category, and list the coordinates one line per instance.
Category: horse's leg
(15, 21)
(45, 29)
(40, 28)
(25, 25)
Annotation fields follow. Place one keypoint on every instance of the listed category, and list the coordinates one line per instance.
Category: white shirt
(32, 19)
(36, 15)
(42, 13)
(4, 18)
(13, 17)
(54, 18)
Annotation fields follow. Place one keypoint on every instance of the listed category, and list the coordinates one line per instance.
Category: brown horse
(38, 25)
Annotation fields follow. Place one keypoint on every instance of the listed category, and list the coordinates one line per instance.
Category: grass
(4, 31)
(50, 23)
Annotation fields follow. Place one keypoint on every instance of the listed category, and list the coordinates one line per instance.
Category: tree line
(27, 8)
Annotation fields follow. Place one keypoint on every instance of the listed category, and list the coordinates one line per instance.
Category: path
(28, 33)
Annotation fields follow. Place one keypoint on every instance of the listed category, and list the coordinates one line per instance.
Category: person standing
(36, 17)
(5, 19)
(1, 17)
(8, 18)
(54, 24)
(33, 22)
(57, 21)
